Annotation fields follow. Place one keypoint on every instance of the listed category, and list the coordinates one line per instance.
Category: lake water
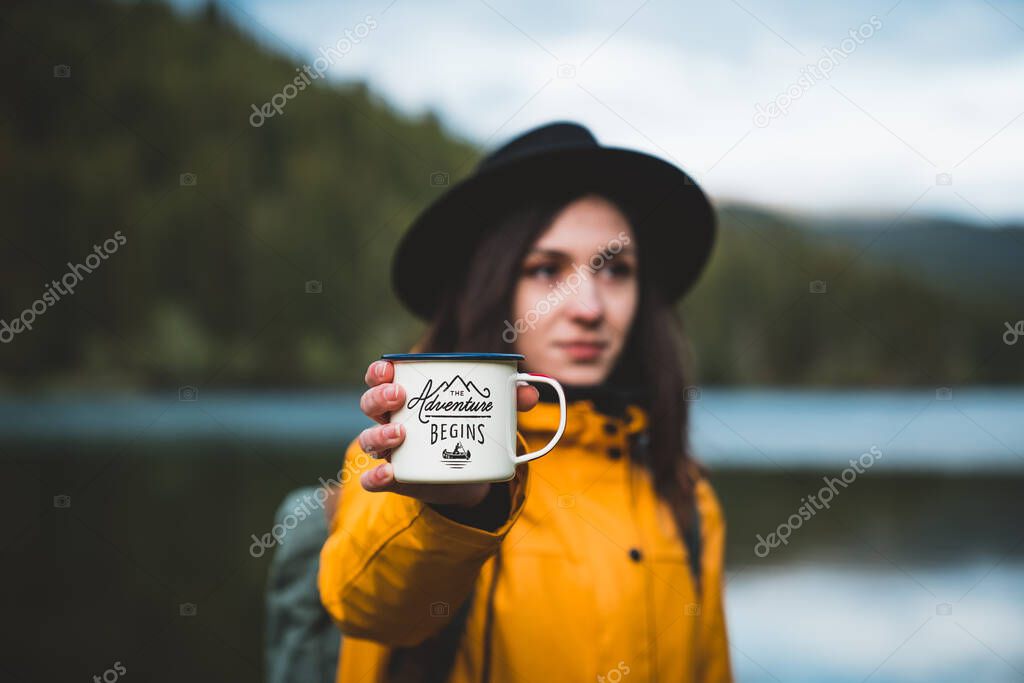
(916, 572)
(974, 429)
(962, 622)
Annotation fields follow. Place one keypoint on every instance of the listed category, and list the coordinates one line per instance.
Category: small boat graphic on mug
(457, 454)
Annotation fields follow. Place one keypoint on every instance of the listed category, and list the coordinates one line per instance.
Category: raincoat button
(635, 554)
(614, 453)
(610, 428)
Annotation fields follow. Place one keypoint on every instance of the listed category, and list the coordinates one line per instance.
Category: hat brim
(674, 222)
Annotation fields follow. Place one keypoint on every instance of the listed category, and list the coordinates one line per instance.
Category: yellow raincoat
(594, 583)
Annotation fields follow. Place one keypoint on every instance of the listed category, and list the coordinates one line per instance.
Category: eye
(545, 271)
(618, 269)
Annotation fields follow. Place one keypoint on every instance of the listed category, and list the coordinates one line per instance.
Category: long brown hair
(471, 317)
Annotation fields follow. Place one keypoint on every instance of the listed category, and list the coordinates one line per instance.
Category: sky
(921, 112)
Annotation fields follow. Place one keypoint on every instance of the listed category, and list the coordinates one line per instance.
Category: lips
(583, 350)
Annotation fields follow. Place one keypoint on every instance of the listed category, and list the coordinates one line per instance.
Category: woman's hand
(378, 402)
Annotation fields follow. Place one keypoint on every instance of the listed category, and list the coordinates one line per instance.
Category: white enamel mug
(460, 417)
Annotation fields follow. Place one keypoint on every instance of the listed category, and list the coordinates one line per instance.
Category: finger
(380, 478)
(379, 372)
(378, 402)
(526, 397)
(383, 438)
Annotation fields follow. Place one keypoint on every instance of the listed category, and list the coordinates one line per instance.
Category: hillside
(258, 255)
(969, 260)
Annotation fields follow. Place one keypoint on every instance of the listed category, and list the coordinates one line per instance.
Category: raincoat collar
(593, 413)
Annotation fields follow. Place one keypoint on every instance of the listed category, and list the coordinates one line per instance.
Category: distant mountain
(967, 259)
(257, 250)
(787, 300)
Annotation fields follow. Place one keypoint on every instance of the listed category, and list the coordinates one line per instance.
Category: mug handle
(544, 379)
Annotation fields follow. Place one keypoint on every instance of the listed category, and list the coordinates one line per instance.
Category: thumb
(527, 397)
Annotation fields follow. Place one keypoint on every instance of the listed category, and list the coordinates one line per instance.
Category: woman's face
(577, 294)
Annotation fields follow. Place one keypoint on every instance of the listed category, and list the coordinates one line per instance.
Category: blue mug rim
(454, 356)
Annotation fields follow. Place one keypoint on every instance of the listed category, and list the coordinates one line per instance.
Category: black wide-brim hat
(672, 219)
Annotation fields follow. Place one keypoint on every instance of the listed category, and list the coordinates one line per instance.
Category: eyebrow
(556, 253)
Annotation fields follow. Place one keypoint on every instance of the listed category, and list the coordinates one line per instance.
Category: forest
(258, 255)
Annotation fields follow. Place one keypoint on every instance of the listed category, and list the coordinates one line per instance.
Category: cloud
(931, 92)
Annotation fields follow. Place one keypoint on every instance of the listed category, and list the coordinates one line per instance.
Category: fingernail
(391, 393)
(382, 473)
(379, 370)
(391, 431)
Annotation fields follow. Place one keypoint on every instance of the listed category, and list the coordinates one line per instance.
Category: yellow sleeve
(393, 569)
(715, 666)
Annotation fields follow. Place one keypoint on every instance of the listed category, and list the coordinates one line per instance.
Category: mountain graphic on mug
(457, 384)
(455, 398)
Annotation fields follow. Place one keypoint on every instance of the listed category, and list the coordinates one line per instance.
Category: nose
(586, 306)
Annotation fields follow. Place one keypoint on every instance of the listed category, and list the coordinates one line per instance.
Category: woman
(604, 558)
